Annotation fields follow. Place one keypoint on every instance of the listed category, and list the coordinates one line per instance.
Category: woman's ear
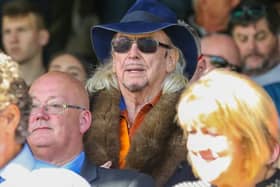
(11, 116)
(275, 154)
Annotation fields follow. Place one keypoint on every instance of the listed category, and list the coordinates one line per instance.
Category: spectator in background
(16, 158)
(218, 51)
(110, 14)
(254, 27)
(232, 133)
(69, 22)
(24, 36)
(59, 118)
(136, 90)
(71, 63)
(211, 16)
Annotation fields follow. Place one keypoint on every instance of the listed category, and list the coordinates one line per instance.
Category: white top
(48, 177)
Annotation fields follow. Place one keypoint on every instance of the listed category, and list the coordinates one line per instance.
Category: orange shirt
(127, 133)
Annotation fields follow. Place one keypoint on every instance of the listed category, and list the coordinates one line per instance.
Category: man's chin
(135, 87)
(253, 65)
(253, 71)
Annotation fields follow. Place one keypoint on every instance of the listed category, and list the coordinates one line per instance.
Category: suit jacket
(102, 177)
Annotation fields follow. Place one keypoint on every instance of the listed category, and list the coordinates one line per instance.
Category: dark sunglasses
(145, 45)
(220, 62)
(248, 12)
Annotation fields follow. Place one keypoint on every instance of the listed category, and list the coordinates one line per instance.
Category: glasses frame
(136, 40)
(221, 60)
(63, 107)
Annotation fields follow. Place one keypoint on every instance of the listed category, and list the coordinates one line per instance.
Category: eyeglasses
(54, 108)
(220, 62)
(248, 12)
(145, 45)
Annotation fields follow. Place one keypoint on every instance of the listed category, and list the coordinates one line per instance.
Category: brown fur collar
(156, 148)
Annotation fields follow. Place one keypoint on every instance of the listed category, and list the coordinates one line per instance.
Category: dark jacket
(102, 177)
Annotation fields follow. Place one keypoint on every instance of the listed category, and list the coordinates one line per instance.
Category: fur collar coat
(157, 146)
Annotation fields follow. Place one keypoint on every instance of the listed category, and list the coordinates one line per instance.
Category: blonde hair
(237, 107)
(105, 78)
(13, 90)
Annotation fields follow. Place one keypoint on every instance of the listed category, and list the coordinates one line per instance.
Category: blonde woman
(232, 131)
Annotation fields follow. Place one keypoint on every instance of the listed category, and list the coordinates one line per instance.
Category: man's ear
(172, 59)
(200, 69)
(85, 121)
(44, 37)
(12, 116)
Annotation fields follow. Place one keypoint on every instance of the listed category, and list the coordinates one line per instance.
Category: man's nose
(39, 113)
(13, 37)
(134, 50)
(252, 45)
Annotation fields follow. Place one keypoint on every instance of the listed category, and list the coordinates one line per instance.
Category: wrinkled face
(68, 64)
(60, 130)
(21, 37)
(138, 71)
(212, 155)
(257, 45)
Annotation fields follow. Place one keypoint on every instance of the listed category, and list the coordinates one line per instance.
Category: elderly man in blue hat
(146, 58)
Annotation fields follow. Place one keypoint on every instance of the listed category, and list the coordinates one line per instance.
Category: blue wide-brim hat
(147, 16)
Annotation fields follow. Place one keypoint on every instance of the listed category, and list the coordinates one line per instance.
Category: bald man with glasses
(224, 55)
(58, 120)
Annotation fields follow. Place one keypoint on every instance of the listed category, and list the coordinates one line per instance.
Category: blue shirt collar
(122, 104)
(74, 165)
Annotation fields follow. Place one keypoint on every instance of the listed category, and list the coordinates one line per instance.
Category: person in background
(71, 63)
(218, 51)
(16, 158)
(209, 16)
(24, 36)
(69, 24)
(254, 27)
(58, 120)
(137, 88)
(232, 134)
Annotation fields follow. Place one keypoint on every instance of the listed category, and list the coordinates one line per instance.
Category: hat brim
(181, 36)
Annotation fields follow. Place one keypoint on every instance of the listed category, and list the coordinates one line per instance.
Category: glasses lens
(54, 108)
(34, 108)
(147, 45)
(121, 45)
(220, 62)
